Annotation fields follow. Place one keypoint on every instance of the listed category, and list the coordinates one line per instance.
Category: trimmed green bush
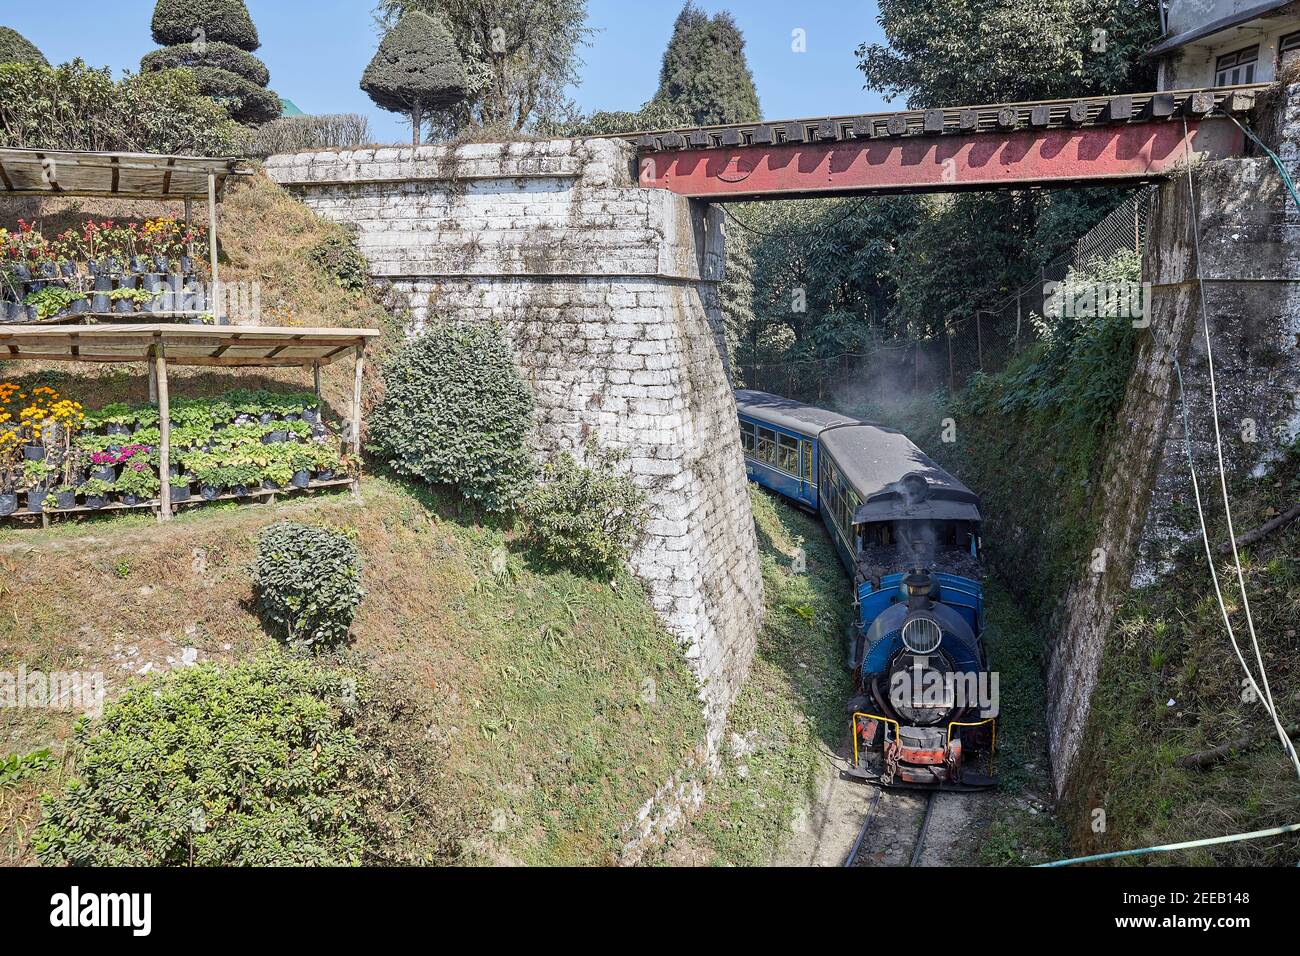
(585, 516)
(16, 48)
(456, 412)
(76, 107)
(188, 21)
(416, 70)
(270, 762)
(215, 39)
(217, 55)
(307, 582)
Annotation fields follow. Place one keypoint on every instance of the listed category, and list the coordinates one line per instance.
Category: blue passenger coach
(908, 532)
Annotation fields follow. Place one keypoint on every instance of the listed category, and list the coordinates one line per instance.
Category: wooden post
(165, 428)
(315, 369)
(215, 290)
(153, 384)
(356, 419)
(189, 222)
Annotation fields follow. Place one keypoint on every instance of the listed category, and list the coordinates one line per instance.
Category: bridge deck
(1115, 140)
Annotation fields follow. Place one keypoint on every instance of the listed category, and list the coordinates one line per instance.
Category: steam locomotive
(909, 534)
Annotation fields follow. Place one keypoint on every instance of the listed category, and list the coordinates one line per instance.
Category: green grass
(791, 708)
(537, 680)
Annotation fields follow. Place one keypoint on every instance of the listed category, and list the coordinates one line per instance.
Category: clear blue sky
(317, 49)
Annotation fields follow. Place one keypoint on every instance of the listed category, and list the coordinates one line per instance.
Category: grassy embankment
(534, 677)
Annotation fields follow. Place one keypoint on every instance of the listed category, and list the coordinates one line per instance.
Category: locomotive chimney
(919, 584)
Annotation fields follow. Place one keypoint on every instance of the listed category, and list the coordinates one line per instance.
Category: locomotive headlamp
(922, 635)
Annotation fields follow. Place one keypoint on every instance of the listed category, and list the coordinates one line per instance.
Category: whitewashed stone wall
(608, 293)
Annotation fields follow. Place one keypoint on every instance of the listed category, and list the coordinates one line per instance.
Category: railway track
(882, 840)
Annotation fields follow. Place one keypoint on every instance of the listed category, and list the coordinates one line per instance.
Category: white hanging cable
(1267, 696)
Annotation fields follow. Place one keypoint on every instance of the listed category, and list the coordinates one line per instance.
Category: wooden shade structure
(226, 346)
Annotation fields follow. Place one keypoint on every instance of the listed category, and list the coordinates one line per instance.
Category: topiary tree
(308, 583)
(416, 70)
(16, 48)
(456, 412)
(215, 39)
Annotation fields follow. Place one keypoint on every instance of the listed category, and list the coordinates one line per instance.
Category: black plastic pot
(325, 474)
(239, 491)
(311, 415)
(266, 418)
(33, 314)
(124, 306)
(275, 438)
(301, 479)
(209, 492)
(8, 504)
(100, 302)
(139, 264)
(65, 500)
(79, 306)
(269, 485)
(112, 266)
(116, 428)
(104, 473)
(48, 270)
(21, 272)
(67, 269)
(95, 502)
(180, 493)
(9, 311)
(33, 452)
(131, 500)
(36, 498)
(162, 264)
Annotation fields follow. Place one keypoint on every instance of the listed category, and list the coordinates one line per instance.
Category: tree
(215, 39)
(954, 52)
(16, 48)
(416, 70)
(704, 70)
(520, 56)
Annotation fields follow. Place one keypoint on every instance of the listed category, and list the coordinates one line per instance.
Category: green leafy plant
(138, 479)
(18, 767)
(456, 412)
(37, 474)
(276, 761)
(341, 260)
(585, 516)
(52, 300)
(95, 487)
(307, 583)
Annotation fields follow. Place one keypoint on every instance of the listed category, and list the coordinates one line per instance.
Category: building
(1226, 42)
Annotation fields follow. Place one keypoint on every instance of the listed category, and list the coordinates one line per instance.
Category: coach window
(1238, 67)
(766, 445)
(788, 451)
(807, 460)
(747, 438)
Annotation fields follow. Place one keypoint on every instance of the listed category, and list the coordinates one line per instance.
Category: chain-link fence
(985, 341)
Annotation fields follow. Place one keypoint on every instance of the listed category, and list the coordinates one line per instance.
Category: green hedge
(74, 106)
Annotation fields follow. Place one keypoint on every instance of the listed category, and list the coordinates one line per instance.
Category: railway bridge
(602, 258)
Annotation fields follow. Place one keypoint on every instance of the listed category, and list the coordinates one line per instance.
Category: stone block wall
(1249, 238)
(609, 294)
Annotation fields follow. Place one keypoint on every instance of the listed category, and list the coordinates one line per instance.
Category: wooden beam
(165, 428)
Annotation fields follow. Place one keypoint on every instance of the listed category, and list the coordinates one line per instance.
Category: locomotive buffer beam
(1115, 140)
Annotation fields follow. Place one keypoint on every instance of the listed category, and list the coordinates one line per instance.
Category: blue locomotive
(909, 534)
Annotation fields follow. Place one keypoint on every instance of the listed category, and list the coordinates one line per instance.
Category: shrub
(456, 412)
(270, 762)
(298, 134)
(245, 102)
(342, 261)
(16, 48)
(74, 106)
(307, 583)
(225, 21)
(585, 516)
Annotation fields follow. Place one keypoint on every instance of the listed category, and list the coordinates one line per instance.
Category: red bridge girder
(1018, 159)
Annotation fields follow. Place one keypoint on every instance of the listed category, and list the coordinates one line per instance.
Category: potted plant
(95, 492)
(65, 497)
(205, 469)
(325, 459)
(36, 479)
(9, 442)
(137, 483)
(301, 460)
(242, 477)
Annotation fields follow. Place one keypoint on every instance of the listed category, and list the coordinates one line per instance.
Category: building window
(1234, 68)
(1288, 49)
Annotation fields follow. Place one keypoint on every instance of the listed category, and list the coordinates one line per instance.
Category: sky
(317, 49)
